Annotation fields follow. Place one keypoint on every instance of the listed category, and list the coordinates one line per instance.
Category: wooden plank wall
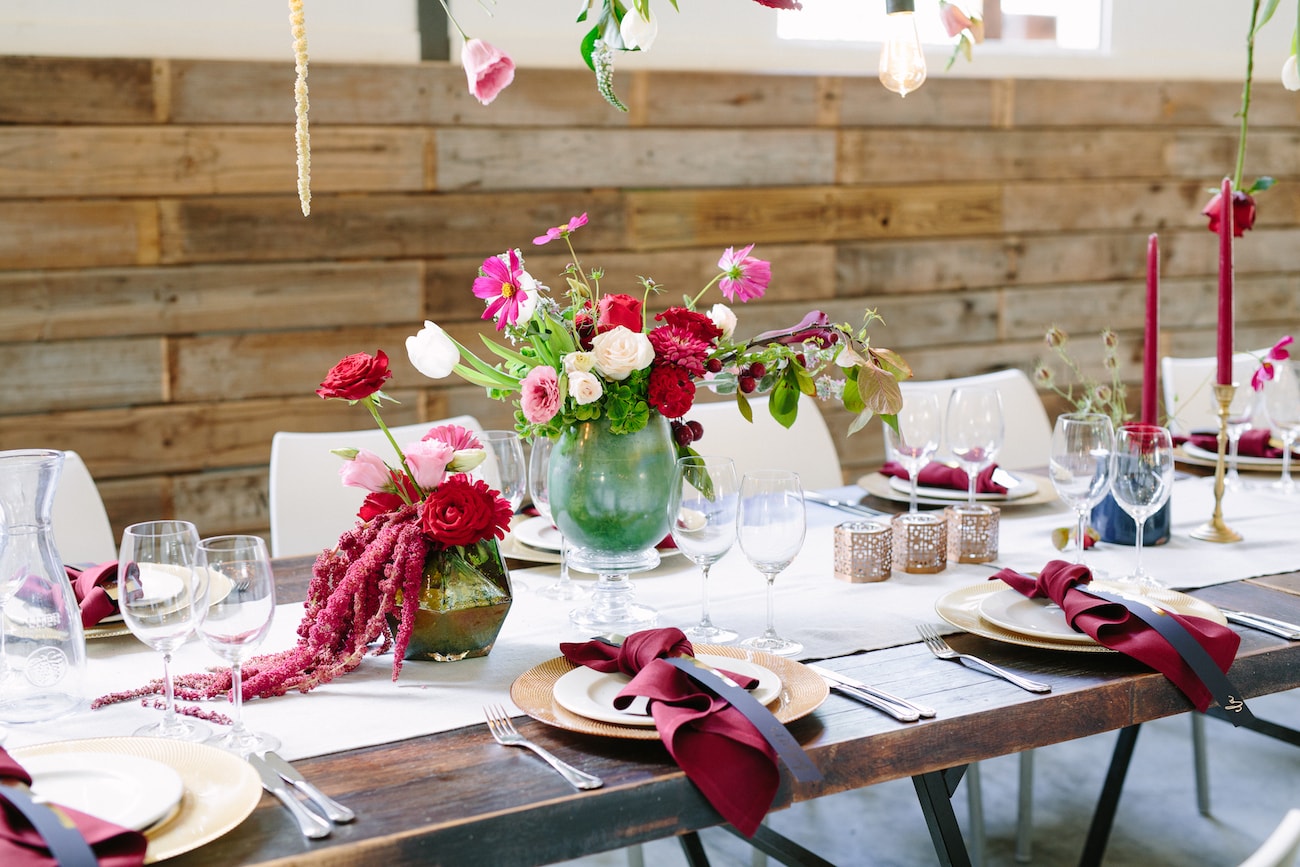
(166, 308)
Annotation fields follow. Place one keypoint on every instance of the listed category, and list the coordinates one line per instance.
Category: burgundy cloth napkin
(711, 741)
(1115, 627)
(937, 475)
(1252, 443)
(88, 586)
(21, 846)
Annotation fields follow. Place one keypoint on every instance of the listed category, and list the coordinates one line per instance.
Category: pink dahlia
(459, 438)
(744, 276)
(679, 347)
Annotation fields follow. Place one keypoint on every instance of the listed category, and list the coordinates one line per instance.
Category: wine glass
(920, 427)
(242, 602)
(975, 429)
(1079, 465)
(504, 467)
(770, 529)
(702, 520)
(539, 489)
(1282, 403)
(162, 597)
(1142, 478)
(1242, 412)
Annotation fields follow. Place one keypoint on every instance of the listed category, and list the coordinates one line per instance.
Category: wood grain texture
(43, 90)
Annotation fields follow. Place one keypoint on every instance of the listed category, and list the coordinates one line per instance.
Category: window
(1067, 24)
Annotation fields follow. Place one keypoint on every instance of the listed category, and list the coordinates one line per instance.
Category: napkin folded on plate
(88, 586)
(1114, 626)
(1252, 443)
(937, 475)
(22, 846)
(712, 742)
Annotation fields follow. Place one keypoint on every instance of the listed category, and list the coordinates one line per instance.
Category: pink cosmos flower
(367, 471)
(428, 460)
(954, 20)
(455, 436)
(561, 231)
(1266, 371)
(539, 394)
(488, 69)
(500, 285)
(744, 276)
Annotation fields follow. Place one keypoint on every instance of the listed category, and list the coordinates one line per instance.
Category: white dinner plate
(130, 791)
(1206, 458)
(1041, 618)
(590, 693)
(1023, 487)
(538, 532)
(218, 589)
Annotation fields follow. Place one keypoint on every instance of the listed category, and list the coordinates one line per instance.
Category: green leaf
(742, 404)
(784, 403)
(853, 401)
(892, 362)
(588, 45)
(1269, 8)
(860, 421)
(1260, 185)
(879, 390)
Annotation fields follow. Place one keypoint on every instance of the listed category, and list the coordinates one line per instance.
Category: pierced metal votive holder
(920, 542)
(863, 551)
(972, 533)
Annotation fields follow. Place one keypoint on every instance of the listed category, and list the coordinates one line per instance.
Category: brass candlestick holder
(1215, 530)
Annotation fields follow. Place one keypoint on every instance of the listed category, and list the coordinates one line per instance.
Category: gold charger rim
(878, 485)
(960, 608)
(1181, 455)
(802, 692)
(220, 789)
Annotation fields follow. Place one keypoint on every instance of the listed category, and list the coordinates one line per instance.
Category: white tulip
(1290, 74)
(432, 352)
(638, 32)
(724, 318)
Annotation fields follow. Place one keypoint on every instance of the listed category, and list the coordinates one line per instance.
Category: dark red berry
(833, 338)
(758, 369)
(748, 384)
(697, 430)
(713, 365)
(799, 357)
(682, 434)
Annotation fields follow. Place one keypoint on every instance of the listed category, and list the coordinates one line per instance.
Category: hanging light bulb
(902, 62)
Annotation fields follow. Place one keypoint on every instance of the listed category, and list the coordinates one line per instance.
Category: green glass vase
(463, 604)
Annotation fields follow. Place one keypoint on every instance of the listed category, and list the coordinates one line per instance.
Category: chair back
(806, 447)
(1028, 438)
(1281, 847)
(1187, 384)
(81, 528)
(310, 507)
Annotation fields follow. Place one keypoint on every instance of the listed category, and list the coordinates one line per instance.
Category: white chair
(81, 528)
(1028, 430)
(1281, 847)
(310, 507)
(806, 447)
(1187, 386)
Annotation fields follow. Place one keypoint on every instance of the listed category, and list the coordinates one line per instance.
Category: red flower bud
(1243, 212)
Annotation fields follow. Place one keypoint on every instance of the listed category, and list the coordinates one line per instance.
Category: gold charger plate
(802, 692)
(878, 486)
(961, 607)
(114, 625)
(220, 788)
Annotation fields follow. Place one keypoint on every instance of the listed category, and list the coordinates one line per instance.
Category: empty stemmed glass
(1142, 478)
(242, 602)
(975, 429)
(504, 467)
(1079, 465)
(1282, 402)
(162, 597)
(1241, 418)
(770, 529)
(539, 490)
(702, 520)
(920, 426)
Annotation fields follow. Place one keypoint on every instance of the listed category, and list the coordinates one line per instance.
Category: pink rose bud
(488, 69)
(367, 471)
(954, 20)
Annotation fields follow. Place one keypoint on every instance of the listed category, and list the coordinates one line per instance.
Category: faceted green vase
(463, 604)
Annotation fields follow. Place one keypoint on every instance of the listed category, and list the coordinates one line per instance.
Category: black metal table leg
(781, 848)
(934, 791)
(693, 849)
(1104, 816)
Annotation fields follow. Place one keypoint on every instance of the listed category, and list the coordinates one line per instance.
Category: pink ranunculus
(367, 471)
(744, 276)
(428, 460)
(488, 69)
(539, 394)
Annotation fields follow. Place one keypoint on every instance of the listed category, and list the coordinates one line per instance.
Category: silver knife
(1279, 628)
(897, 711)
(843, 505)
(852, 683)
(311, 825)
(336, 812)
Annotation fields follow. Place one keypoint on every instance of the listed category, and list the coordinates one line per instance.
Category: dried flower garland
(301, 134)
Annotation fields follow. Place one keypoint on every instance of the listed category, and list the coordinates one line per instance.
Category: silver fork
(941, 649)
(498, 722)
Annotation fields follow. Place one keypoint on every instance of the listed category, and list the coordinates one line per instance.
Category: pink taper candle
(1225, 286)
(1151, 344)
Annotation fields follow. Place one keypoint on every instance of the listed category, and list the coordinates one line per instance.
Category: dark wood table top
(459, 798)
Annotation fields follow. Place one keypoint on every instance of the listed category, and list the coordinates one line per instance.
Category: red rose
(383, 502)
(670, 391)
(1243, 212)
(356, 377)
(616, 310)
(462, 511)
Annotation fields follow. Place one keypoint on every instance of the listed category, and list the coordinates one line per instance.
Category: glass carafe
(42, 645)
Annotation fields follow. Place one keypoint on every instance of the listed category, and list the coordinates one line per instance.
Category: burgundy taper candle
(1225, 286)
(1151, 345)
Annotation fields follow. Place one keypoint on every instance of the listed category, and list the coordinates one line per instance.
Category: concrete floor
(1254, 781)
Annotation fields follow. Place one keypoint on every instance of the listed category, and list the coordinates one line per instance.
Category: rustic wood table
(459, 798)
